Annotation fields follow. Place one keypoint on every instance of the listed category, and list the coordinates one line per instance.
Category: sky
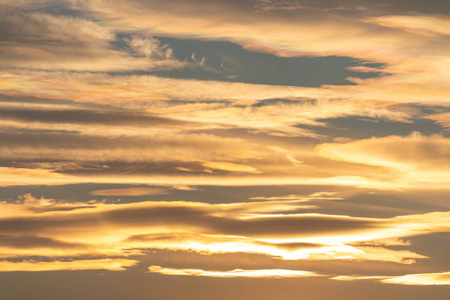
(224, 149)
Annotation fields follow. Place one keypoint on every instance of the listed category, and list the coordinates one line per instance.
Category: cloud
(246, 24)
(149, 47)
(29, 242)
(101, 88)
(420, 158)
(232, 167)
(442, 119)
(112, 264)
(136, 191)
(80, 105)
(58, 115)
(357, 277)
(425, 25)
(415, 64)
(14, 176)
(117, 229)
(421, 279)
(220, 244)
(279, 5)
(239, 106)
(270, 273)
(412, 279)
(103, 141)
(190, 216)
(442, 278)
(395, 151)
(36, 40)
(153, 147)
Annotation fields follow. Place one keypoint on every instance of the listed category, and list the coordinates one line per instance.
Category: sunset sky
(224, 149)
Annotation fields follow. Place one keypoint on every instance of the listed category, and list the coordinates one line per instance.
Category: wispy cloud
(36, 40)
(442, 278)
(419, 158)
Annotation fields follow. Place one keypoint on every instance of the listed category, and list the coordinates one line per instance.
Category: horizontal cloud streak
(442, 278)
(94, 264)
(272, 273)
(211, 228)
(421, 279)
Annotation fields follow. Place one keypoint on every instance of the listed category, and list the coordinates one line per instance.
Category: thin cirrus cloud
(426, 25)
(442, 278)
(419, 158)
(78, 45)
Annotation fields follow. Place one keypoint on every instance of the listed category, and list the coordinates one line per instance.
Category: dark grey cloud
(32, 242)
(291, 226)
(83, 117)
(74, 140)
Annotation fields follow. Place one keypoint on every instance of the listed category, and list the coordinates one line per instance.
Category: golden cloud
(419, 158)
(421, 279)
(442, 278)
(269, 273)
(136, 191)
(117, 229)
(94, 264)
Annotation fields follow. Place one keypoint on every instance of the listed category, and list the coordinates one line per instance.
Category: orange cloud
(137, 191)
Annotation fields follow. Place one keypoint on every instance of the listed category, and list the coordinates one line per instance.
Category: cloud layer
(294, 140)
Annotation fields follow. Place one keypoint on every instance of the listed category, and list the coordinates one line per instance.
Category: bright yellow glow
(270, 273)
(230, 167)
(421, 279)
